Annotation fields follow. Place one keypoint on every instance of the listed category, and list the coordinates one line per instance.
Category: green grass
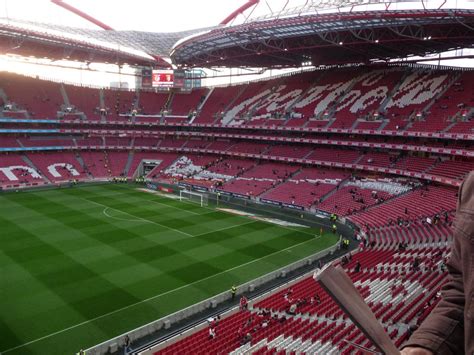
(80, 266)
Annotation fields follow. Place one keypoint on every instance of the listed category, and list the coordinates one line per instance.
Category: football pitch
(82, 265)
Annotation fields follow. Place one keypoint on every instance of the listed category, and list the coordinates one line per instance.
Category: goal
(196, 197)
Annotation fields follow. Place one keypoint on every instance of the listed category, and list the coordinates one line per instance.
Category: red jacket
(449, 329)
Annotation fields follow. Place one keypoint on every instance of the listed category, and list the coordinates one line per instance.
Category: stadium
(182, 191)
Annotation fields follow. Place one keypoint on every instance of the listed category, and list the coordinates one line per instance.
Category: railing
(112, 345)
(383, 170)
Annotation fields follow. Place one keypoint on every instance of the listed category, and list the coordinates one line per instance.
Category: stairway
(441, 93)
(19, 143)
(332, 110)
(359, 158)
(227, 119)
(83, 165)
(382, 126)
(102, 104)
(169, 101)
(280, 182)
(129, 163)
(3, 95)
(64, 95)
(448, 127)
(201, 105)
(389, 97)
(354, 125)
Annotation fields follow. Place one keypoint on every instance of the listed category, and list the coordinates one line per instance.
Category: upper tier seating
(151, 103)
(184, 104)
(42, 99)
(365, 97)
(417, 90)
(334, 98)
(119, 102)
(85, 100)
(326, 89)
(456, 99)
(217, 103)
(248, 98)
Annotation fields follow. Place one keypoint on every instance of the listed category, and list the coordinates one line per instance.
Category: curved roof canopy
(62, 42)
(324, 39)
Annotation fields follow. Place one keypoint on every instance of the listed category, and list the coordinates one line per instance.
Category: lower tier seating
(302, 318)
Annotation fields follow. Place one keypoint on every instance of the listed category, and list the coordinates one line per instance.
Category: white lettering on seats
(53, 169)
(8, 171)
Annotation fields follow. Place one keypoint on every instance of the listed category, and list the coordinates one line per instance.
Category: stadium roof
(332, 38)
(312, 34)
(59, 42)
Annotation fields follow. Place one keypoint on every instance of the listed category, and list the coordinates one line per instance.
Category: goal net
(196, 197)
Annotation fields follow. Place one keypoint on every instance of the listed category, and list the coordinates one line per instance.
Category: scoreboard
(166, 79)
(163, 78)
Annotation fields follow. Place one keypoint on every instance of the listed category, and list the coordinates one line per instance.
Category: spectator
(416, 264)
(127, 343)
(449, 328)
(317, 299)
(243, 303)
(212, 332)
(246, 339)
(357, 267)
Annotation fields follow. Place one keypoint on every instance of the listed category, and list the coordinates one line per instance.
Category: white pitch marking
(225, 228)
(151, 298)
(118, 218)
(140, 218)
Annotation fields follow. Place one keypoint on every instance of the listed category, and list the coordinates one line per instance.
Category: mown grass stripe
(142, 259)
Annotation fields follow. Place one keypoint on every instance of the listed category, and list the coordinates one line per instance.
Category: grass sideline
(82, 265)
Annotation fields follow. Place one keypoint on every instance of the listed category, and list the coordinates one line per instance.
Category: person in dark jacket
(449, 329)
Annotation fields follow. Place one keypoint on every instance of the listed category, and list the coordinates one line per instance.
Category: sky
(153, 16)
(141, 15)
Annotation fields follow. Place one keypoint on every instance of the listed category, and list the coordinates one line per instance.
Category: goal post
(192, 196)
